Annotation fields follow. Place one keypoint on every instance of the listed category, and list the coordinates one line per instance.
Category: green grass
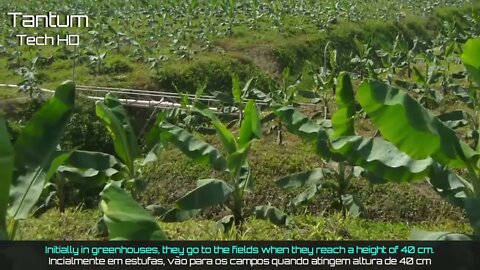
(175, 174)
(77, 224)
(7, 75)
(8, 93)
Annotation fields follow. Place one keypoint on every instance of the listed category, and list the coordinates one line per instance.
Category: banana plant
(337, 179)
(115, 118)
(26, 166)
(185, 116)
(123, 217)
(95, 56)
(209, 192)
(391, 58)
(429, 97)
(471, 96)
(30, 82)
(230, 7)
(97, 63)
(361, 60)
(82, 174)
(408, 54)
(284, 94)
(325, 80)
(119, 39)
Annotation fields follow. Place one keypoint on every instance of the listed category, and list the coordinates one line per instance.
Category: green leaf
(268, 118)
(95, 167)
(418, 76)
(226, 137)
(156, 210)
(225, 99)
(434, 77)
(410, 127)
(272, 214)
(259, 95)
(420, 235)
(247, 87)
(472, 210)
(35, 149)
(450, 186)
(43, 132)
(305, 196)
(179, 215)
(286, 74)
(251, 128)
(236, 91)
(153, 154)
(380, 157)
(194, 148)
(471, 58)
(125, 219)
(111, 112)
(153, 135)
(454, 119)
(308, 178)
(94, 160)
(299, 124)
(7, 165)
(209, 192)
(352, 204)
(59, 159)
(237, 160)
(308, 94)
(343, 118)
(200, 90)
(225, 224)
(245, 178)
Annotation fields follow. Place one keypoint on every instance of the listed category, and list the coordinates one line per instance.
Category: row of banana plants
(414, 145)
(34, 163)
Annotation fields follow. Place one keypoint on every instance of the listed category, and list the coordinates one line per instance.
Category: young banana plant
(26, 166)
(230, 192)
(123, 217)
(113, 115)
(185, 115)
(408, 54)
(391, 58)
(284, 94)
(337, 179)
(362, 61)
(82, 174)
(429, 97)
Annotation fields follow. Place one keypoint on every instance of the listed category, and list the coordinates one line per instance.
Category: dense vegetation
(372, 99)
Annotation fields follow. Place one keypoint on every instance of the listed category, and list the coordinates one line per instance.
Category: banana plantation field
(314, 120)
